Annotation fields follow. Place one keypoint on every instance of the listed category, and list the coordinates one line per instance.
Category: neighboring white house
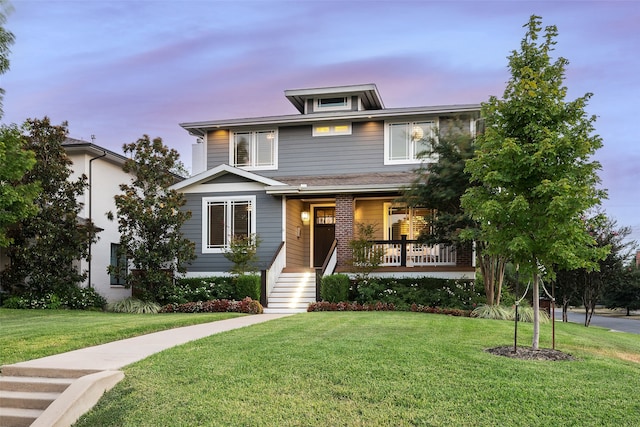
(104, 171)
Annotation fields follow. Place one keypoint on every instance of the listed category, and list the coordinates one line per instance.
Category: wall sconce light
(305, 216)
(417, 133)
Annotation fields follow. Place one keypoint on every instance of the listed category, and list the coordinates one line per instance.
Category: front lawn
(30, 334)
(379, 369)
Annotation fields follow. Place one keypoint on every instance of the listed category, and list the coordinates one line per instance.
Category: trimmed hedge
(247, 305)
(247, 285)
(335, 287)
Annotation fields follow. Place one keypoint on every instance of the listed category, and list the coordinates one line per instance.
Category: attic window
(333, 104)
(332, 129)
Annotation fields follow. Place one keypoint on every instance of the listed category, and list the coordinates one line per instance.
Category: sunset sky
(119, 69)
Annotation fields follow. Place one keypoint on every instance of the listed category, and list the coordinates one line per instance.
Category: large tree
(439, 186)
(150, 216)
(6, 40)
(533, 168)
(46, 246)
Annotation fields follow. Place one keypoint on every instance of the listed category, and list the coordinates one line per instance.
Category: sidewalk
(118, 354)
(55, 391)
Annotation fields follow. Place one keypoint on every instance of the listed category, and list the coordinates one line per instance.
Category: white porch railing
(270, 275)
(407, 253)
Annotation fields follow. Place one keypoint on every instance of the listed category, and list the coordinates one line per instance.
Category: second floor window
(407, 142)
(254, 150)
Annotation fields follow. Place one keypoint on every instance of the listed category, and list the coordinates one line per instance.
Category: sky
(120, 69)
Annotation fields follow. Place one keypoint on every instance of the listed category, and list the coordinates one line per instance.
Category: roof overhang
(201, 128)
(368, 94)
(222, 170)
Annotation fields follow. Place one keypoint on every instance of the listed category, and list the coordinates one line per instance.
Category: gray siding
(268, 223)
(301, 154)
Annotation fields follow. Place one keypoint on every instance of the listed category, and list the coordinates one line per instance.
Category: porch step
(293, 292)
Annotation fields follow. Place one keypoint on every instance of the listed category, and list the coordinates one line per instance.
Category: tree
(149, 219)
(625, 293)
(6, 40)
(533, 168)
(16, 196)
(439, 186)
(46, 246)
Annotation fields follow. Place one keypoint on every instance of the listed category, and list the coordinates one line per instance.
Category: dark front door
(324, 232)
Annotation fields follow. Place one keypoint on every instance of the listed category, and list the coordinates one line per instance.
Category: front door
(324, 233)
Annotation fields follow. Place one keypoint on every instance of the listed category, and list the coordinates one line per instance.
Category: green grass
(379, 369)
(30, 334)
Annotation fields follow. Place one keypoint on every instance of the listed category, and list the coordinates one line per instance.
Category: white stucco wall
(105, 181)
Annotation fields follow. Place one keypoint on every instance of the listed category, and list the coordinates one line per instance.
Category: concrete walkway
(118, 354)
(55, 391)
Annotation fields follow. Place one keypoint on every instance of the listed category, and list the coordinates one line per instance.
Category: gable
(224, 178)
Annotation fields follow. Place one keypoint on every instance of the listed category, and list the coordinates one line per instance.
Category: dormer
(335, 99)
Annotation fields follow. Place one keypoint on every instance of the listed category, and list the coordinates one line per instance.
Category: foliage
(243, 253)
(198, 289)
(6, 40)
(427, 291)
(532, 171)
(349, 306)
(501, 312)
(247, 285)
(134, 306)
(247, 305)
(439, 186)
(335, 288)
(72, 298)
(149, 218)
(625, 293)
(591, 286)
(366, 257)
(16, 196)
(47, 245)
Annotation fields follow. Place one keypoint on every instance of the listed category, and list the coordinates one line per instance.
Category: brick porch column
(344, 227)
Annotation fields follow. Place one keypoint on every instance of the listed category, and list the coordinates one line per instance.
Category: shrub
(349, 306)
(198, 289)
(247, 286)
(134, 306)
(70, 297)
(247, 305)
(335, 288)
(498, 312)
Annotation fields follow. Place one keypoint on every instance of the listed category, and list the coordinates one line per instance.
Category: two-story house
(302, 182)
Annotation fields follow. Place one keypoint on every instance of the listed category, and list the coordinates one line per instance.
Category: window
(223, 218)
(407, 142)
(332, 130)
(254, 150)
(333, 104)
(410, 222)
(119, 263)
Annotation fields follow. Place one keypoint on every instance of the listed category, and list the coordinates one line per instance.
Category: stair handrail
(329, 264)
(269, 275)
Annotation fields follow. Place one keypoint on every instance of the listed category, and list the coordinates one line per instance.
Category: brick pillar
(344, 227)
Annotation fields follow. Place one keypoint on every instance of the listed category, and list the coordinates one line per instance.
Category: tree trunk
(565, 309)
(536, 311)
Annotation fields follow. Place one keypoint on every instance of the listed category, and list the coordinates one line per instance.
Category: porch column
(344, 227)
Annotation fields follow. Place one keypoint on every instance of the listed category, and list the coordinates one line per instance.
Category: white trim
(317, 107)
(331, 129)
(225, 188)
(253, 156)
(221, 170)
(205, 219)
(411, 159)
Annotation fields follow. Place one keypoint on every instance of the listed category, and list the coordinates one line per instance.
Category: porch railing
(270, 275)
(328, 267)
(410, 253)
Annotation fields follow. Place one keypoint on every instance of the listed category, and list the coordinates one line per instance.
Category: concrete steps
(50, 397)
(23, 398)
(292, 292)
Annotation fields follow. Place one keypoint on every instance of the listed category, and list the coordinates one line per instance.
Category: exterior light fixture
(417, 133)
(304, 215)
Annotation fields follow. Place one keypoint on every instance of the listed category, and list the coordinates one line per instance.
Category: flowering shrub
(72, 298)
(437, 310)
(246, 305)
(427, 291)
(198, 289)
(349, 306)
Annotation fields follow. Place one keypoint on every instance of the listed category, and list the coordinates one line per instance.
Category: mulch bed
(527, 353)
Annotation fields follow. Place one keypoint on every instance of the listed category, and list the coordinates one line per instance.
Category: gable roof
(224, 169)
